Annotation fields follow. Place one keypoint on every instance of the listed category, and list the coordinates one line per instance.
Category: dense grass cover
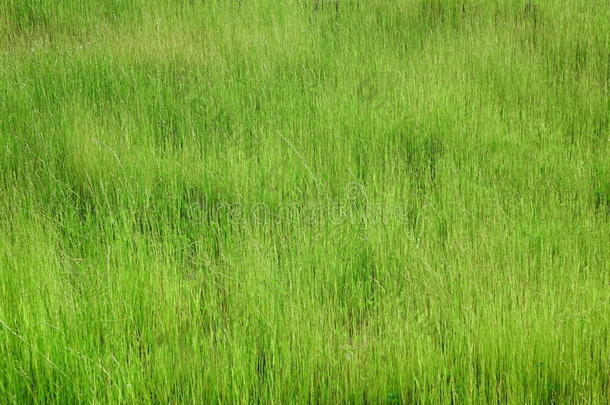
(299, 201)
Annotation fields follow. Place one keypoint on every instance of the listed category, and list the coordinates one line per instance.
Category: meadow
(300, 201)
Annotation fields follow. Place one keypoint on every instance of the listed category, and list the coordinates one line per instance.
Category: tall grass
(260, 201)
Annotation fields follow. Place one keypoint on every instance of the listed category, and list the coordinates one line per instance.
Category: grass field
(291, 201)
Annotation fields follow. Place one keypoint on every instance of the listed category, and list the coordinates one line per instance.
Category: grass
(257, 201)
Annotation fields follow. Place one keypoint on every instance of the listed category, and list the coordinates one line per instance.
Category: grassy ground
(259, 201)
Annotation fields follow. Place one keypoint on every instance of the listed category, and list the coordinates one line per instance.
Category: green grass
(265, 201)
